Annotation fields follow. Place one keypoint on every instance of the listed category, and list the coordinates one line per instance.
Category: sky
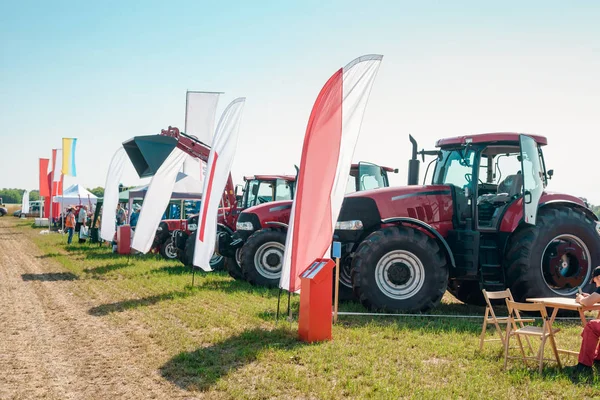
(104, 72)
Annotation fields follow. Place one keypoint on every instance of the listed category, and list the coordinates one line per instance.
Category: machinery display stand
(314, 320)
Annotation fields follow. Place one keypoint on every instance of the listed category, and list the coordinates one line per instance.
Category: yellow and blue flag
(68, 156)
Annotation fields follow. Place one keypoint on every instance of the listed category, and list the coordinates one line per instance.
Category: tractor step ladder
(492, 277)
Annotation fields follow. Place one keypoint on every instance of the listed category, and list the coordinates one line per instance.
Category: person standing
(121, 217)
(70, 224)
(134, 217)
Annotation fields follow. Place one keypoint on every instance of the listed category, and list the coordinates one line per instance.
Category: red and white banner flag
(219, 166)
(57, 177)
(329, 144)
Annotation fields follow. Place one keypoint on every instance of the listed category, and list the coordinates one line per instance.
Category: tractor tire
(345, 286)
(468, 292)
(555, 257)
(217, 262)
(233, 268)
(399, 269)
(188, 252)
(262, 257)
(168, 249)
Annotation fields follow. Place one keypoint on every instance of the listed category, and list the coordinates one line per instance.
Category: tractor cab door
(533, 185)
(370, 176)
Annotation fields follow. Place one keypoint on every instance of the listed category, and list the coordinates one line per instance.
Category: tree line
(15, 196)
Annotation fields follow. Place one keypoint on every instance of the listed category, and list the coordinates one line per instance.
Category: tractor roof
(498, 137)
(270, 177)
(388, 169)
(293, 177)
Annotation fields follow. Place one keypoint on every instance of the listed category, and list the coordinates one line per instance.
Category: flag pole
(62, 200)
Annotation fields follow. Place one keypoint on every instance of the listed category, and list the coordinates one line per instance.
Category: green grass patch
(220, 337)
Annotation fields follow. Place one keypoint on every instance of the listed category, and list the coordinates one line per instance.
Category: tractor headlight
(244, 226)
(353, 225)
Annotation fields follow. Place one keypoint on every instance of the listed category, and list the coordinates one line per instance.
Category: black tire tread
(374, 243)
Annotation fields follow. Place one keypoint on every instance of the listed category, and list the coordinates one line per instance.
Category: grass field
(220, 337)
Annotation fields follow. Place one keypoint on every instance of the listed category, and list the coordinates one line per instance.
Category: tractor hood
(431, 204)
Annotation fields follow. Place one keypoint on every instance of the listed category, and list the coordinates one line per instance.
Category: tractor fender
(225, 228)
(272, 224)
(513, 215)
(571, 204)
(428, 228)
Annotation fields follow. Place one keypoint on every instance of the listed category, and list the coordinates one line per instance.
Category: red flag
(329, 143)
(44, 188)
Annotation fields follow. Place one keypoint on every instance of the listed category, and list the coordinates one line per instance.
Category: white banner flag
(200, 109)
(25, 203)
(156, 200)
(111, 195)
(219, 167)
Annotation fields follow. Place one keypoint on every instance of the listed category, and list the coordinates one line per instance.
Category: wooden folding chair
(491, 318)
(544, 332)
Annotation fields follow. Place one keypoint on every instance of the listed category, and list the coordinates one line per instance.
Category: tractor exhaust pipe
(413, 164)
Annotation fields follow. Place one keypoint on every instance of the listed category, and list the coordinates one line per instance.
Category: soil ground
(51, 347)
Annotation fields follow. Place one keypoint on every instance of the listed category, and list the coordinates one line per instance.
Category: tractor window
(283, 190)
(505, 165)
(454, 168)
(371, 176)
(251, 187)
(259, 192)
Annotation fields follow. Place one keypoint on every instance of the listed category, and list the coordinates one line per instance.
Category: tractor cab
(488, 173)
(367, 176)
(261, 189)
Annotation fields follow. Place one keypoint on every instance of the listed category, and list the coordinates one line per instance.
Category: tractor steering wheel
(469, 178)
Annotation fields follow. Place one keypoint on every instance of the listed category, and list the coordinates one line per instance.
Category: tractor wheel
(262, 257)
(217, 262)
(555, 257)
(232, 265)
(345, 285)
(168, 249)
(468, 292)
(188, 252)
(399, 269)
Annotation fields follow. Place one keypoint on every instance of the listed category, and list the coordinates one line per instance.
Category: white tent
(76, 194)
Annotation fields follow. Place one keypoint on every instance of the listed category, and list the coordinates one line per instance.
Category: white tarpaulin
(25, 203)
(156, 200)
(329, 144)
(219, 166)
(200, 109)
(74, 195)
(111, 195)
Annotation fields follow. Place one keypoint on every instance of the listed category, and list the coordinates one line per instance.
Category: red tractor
(258, 189)
(256, 252)
(485, 222)
(175, 237)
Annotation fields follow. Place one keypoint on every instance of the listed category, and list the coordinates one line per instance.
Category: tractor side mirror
(550, 173)
(239, 190)
(254, 190)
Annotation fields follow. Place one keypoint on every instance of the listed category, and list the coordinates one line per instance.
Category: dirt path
(50, 347)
